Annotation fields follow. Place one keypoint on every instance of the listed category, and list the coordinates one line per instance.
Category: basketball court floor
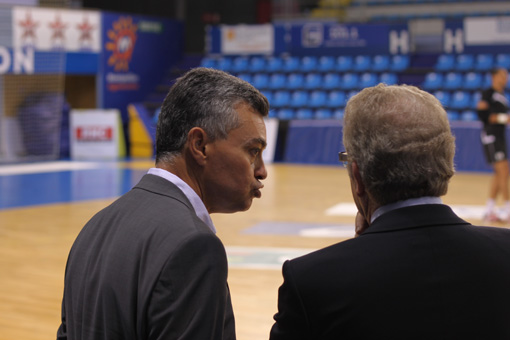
(43, 206)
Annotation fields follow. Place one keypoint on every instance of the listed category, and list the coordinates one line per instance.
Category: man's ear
(197, 140)
(359, 186)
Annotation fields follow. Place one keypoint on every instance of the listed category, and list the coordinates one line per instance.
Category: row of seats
(360, 63)
(457, 100)
(468, 62)
(308, 99)
(327, 113)
(306, 113)
(456, 80)
(312, 81)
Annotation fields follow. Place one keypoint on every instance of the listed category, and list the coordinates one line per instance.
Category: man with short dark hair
(416, 270)
(150, 266)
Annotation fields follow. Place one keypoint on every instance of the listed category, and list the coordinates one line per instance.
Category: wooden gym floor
(303, 208)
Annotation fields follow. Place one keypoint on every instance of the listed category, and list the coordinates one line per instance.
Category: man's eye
(255, 152)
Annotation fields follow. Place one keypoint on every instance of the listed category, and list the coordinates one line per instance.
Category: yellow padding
(141, 141)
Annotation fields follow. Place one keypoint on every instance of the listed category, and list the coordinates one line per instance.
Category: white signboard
(271, 136)
(95, 134)
(47, 29)
(247, 39)
(487, 31)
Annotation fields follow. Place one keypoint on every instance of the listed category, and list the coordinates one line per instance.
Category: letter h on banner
(399, 41)
(452, 41)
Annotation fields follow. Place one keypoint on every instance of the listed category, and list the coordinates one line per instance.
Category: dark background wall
(196, 14)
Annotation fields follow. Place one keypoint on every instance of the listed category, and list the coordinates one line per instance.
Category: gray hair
(204, 98)
(400, 138)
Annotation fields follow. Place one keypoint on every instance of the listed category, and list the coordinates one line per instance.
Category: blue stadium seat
(344, 63)
(484, 62)
(272, 113)
(475, 98)
(380, 63)
(246, 77)
(268, 95)
(224, 64)
(281, 98)
(487, 80)
(362, 63)
(299, 99)
(452, 81)
(240, 64)
(503, 60)
(277, 81)
(317, 99)
(304, 113)
(368, 79)
(388, 78)
(350, 81)
(295, 81)
(291, 64)
(443, 97)
(460, 100)
(208, 62)
(285, 114)
(433, 81)
(313, 81)
(464, 62)
(338, 114)
(331, 81)
(257, 64)
(469, 116)
(274, 64)
(399, 63)
(453, 115)
(350, 94)
(308, 64)
(260, 81)
(445, 62)
(472, 81)
(323, 114)
(326, 64)
(336, 99)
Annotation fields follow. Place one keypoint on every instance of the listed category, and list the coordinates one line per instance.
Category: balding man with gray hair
(415, 270)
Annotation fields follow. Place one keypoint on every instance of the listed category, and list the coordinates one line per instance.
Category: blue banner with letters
(137, 53)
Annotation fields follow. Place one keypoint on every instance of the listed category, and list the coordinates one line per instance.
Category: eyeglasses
(343, 157)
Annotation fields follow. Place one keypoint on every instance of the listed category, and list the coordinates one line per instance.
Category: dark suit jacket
(418, 272)
(147, 267)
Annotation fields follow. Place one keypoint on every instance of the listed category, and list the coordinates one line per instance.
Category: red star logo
(85, 32)
(58, 28)
(28, 26)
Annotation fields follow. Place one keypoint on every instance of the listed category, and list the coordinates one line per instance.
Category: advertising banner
(318, 38)
(247, 39)
(96, 134)
(138, 52)
(487, 35)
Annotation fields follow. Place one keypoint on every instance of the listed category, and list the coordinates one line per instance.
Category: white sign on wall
(95, 134)
(487, 31)
(247, 39)
(46, 29)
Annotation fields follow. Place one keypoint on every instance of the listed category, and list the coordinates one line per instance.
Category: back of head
(400, 138)
(204, 98)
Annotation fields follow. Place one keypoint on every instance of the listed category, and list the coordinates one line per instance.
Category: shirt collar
(190, 194)
(406, 203)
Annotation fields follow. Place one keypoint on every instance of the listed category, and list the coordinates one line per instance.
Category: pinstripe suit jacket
(146, 267)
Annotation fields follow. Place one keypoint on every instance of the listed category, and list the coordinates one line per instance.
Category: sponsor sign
(95, 134)
(247, 39)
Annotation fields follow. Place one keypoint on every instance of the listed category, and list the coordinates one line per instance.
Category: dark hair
(204, 98)
(496, 70)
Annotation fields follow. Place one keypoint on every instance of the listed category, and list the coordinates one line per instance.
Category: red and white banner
(46, 29)
(95, 134)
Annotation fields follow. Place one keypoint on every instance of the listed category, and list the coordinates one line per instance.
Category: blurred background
(84, 79)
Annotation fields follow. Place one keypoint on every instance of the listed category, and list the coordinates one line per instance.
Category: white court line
(262, 258)
(32, 168)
